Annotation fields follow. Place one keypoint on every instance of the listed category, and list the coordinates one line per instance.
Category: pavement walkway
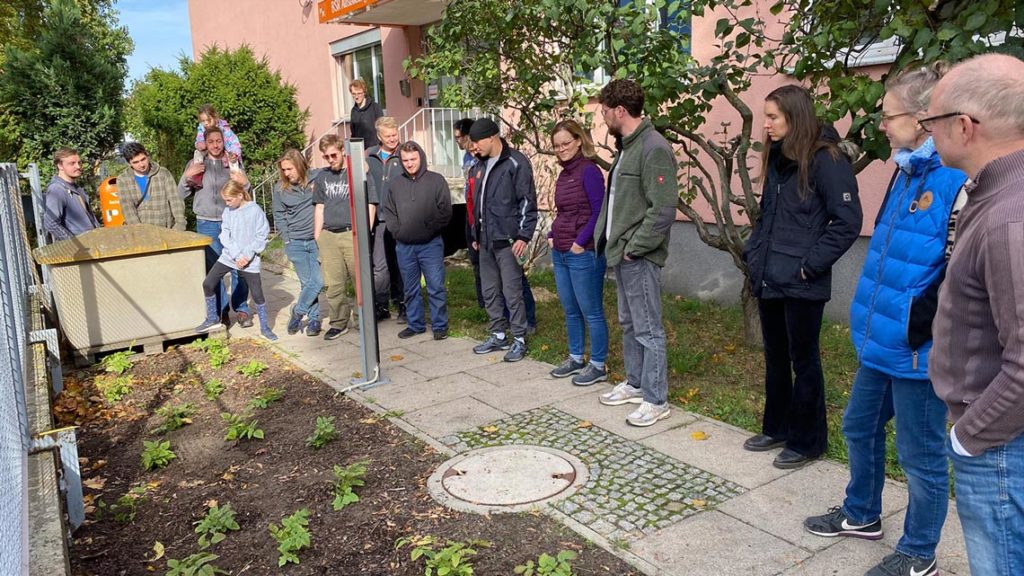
(681, 497)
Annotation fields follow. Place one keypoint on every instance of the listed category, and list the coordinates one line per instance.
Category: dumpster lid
(103, 243)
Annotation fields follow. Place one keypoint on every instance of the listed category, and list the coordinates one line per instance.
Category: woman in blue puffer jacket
(890, 322)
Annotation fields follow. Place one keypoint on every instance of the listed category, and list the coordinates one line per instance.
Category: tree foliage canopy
(260, 107)
(61, 80)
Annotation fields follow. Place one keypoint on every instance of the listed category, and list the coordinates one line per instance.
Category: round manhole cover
(506, 478)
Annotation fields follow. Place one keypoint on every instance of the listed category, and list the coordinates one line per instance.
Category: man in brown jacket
(147, 192)
(976, 118)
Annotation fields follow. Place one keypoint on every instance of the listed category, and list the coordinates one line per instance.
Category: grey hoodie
(243, 232)
(419, 205)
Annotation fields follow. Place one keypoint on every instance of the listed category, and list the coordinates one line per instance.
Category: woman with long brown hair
(810, 216)
(293, 216)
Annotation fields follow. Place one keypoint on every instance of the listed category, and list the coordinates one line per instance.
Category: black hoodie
(419, 205)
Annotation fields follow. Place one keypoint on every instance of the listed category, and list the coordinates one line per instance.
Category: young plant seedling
(125, 507)
(174, 417)
(212, 389)
(215, 525)
(264, 400)
(113, 388)
(451, 560)
(239, 428)
(118, 362)
(199, 564)
(323, 433)
(216, 350)
(156, 454)
(291, 536)
(252, 369)
(548, 565)
(345, 479)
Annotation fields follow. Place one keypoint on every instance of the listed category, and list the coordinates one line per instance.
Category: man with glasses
(364, 115)
(633, 231)
(977, 366)
(332, 230)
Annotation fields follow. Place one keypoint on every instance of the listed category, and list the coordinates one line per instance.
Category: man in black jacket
(364, 114)
(417, 209)
(505, 216)
(384, 166)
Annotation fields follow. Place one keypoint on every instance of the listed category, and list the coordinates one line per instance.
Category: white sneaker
(623, 393)
(647, 414)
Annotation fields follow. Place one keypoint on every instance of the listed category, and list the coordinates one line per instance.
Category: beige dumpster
(115, 287)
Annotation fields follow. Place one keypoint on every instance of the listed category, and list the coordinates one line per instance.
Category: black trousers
(794, 408)
(251, 279)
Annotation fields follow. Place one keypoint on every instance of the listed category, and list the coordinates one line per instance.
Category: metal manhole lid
(506, 478)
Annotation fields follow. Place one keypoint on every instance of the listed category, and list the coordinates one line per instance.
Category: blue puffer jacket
(893, 307)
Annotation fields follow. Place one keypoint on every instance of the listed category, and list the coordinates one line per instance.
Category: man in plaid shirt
(148, 193)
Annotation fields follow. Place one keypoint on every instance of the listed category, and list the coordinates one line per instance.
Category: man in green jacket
(633, 231)
(147, 192)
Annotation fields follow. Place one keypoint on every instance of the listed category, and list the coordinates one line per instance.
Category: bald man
(976, 118)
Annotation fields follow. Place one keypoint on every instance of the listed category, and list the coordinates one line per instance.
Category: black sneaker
(516, 352)
(590, 375)
(492, 344)
(408, 333)
(440, 334)
(244, 319)
(835, 523)
(402, 318)
(382, 314)
(567, 368)
(762, 443)
(899, 564)
(335, 333)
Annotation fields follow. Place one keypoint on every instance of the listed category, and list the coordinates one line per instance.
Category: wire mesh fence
(17, 276)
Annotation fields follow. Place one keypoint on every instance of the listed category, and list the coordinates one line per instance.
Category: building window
(366, 63)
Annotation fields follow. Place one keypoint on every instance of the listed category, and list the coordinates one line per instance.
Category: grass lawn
(711, 371)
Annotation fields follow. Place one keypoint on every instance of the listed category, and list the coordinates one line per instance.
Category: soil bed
(265, 480)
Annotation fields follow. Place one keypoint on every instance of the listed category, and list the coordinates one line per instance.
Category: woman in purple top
(579, 270)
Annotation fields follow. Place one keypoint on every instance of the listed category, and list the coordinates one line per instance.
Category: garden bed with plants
(219, 458)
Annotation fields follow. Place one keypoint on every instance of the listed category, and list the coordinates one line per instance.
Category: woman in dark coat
(810, 216)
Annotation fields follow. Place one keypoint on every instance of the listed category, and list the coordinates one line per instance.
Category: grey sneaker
(567, 368)
(517, 352)
(492, 344)
(647, 414)
(623, 393)
(899, 564)
(590, 375)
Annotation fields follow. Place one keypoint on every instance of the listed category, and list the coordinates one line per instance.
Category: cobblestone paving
(632, 490)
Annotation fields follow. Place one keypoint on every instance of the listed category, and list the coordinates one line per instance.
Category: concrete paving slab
(446, 364)
(846, 557)
(415, 395)
(780, 507)
(720, 452)
(951, 553)
(512, 373)
(714, 543)
(449, 417)
(528, 394)
(398, 356)
(613, 418)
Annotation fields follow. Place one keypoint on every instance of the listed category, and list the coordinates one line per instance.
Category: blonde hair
(913, 87)
(385, 122)
(295, 157)
(357, 83)
(578, 133)
(235, 190)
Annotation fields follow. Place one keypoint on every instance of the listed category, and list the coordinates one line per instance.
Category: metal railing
(432, 129)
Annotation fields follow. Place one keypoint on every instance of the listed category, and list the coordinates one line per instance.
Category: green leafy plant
(451, 559)
(156, 454)
(547, 565)
(269, 395)
(345, 479)
(174, 417)
(118, 362)
(240, 427)
(199, 564)
(212, 389)
(252, 369)
(124, 508)
(291, 536)
(214, 526)
(216, 349)
(323, 433)
(114, 388)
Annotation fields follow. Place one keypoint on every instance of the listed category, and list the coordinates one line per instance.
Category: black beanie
(482, 128)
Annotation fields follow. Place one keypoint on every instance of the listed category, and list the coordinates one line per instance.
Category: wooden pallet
(147, 346)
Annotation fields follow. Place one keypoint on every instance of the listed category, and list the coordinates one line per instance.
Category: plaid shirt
(163, 206)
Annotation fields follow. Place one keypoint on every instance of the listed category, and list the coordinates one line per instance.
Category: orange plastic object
(110, 205)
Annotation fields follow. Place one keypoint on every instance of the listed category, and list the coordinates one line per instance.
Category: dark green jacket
(646, 195)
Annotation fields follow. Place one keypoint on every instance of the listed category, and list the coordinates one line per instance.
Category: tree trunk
(751, 317)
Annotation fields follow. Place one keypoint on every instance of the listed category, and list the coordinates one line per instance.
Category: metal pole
(369, 346)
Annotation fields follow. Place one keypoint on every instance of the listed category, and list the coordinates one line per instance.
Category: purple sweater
(977, 359)
(579, 192)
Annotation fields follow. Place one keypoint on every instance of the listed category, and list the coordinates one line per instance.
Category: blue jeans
(990, 503)
(643, 334)
(920, 446)
(305, 257)
(579, 279)
(428, 260)
(239, 289)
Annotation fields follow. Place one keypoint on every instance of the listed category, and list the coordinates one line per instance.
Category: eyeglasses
(886, 118)
(925, 121)
(562, 146)
(332, 156)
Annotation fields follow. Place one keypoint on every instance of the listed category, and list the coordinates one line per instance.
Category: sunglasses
(332, 156)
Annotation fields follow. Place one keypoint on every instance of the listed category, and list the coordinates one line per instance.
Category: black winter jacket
(363, 121)
(793, 235)
(506, 210)
(419, 205)
(382, 172)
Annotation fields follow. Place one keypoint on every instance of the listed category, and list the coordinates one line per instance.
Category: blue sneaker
(294, 322)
